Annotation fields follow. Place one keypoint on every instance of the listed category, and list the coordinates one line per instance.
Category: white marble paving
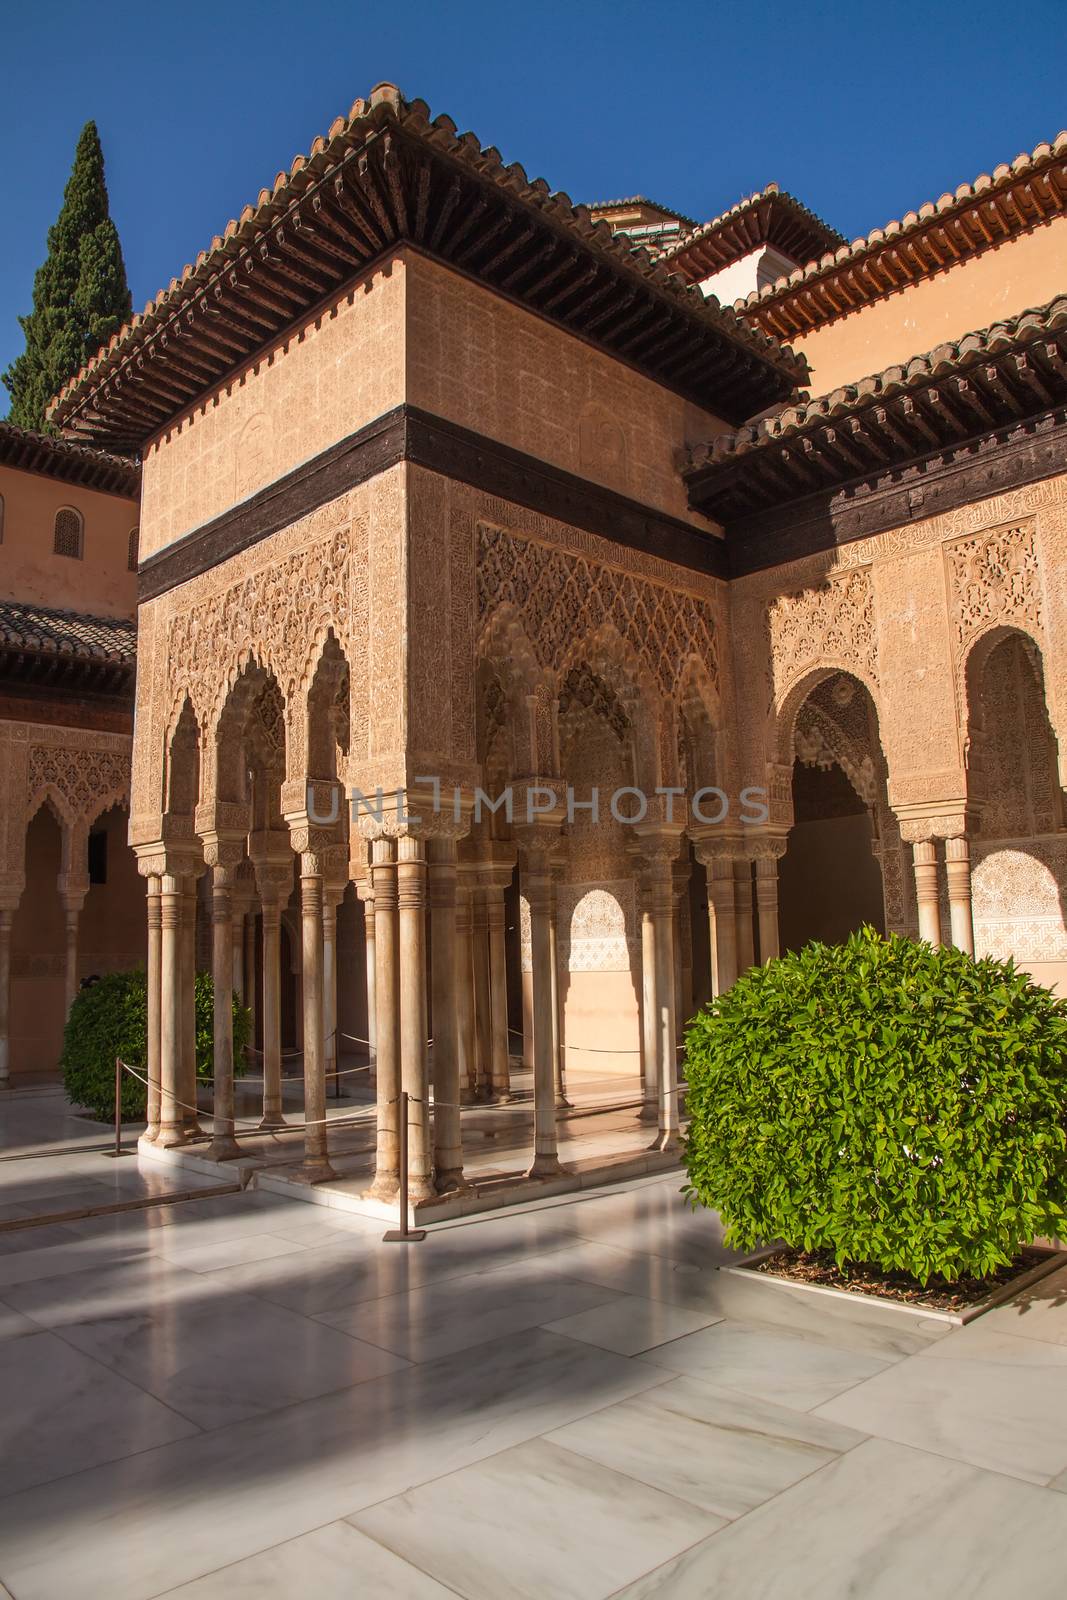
(586, 1529)
(767, 1363)
(719, 1450)
(629, 1324)
(333, 1563)
(881, 1523)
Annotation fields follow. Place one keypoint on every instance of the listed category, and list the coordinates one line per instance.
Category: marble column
(414, 1068)
(315, 1167)
(447, 1129)
(559, 1046)
(223, 1145)
(722, 923)
(483, 993)
(767, 906)
(154, 979)
(249, 966)
(499, 1065)
(332, 896)
(73, 900)
(387, 1018)
(366, 895)
(649, 1010)
(746, 949)
(237, 925)
(7, 914)
(540, 889)
(188, 1083)
(924, 856)
(466, 1026)
(273, 1115)
(958, 869)
(661, 901)
(171, 1012)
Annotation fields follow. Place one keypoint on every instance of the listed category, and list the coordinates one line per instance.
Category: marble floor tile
(333, 1563)
(14, 1325)
(535, 1521)
(438, 1319)
(57, 1256)
(187, 1252)
(63, 1412)
(630, 1324)
(19, 1241)
(216, 1358)
(720, 1450)
(881, 1523)
(1037, 1313)
(655, 1221)
(765, 1362)
(974, 1396)
(122, 1532)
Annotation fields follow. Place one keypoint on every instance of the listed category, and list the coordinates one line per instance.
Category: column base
(272, 1120)
(315, 1171)
(544, 1166)
(386, 1186)
(171, 1136)
(225, 1148)
(667, 1143)
(563, 1104)
(649, 1112)
(453, 1182)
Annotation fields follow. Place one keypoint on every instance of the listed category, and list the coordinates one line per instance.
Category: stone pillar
(414, 1071)
(154, 980)
(187, 1092)
(237, 926)
(387, 1017)
(924, 855)
(746, 949)
(958, 868)
(495, 879)
(660, 852)
(249, 966)
(171, 1010)
(483, 992)
(466, 1027)
(223, 1145)
(316, 1164)
(273, 1115)
(366, 895)
(7, 914)
(447, 1130)
(558, 1037)
(680, 872)
(73, 900)
(649, 1009)
(767, 901)
(722, 922)
(333, 894)
(540, 889)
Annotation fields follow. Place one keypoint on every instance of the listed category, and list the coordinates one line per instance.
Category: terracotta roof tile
(771, 215)
(43, 631)
(73, 463)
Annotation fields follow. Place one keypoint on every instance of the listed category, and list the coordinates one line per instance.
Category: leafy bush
(884, 1101)
(109, 1019)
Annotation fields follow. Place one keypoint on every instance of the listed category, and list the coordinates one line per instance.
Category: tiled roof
(961, 390)
(387, 174)
(41, 631)
(73, 463)
(640, 200)
(771, 216)
(978, 215)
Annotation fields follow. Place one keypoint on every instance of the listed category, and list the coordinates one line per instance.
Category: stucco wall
(1027, 271)
(30, 571)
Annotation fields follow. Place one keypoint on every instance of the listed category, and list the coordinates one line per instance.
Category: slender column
(330, 901)
(273, 1116)
(500, 1071)
(746, 950)
(387, 1018)
(7, 914)
(414, 1070)
(649, 1024)
(558, 1037)
(924, 856)
(661, 898)
(237, 924)
(188, 1079)
(723, 926)
(447, 1131)
(223, 1145)
(73, 901)
(466, 1030)
(154, 1006)
(483, 994)
(249, 968)
(171, 1030)
(958, 868)
(368, 939)
(316, 1164)
(540, 893)
(767, 906)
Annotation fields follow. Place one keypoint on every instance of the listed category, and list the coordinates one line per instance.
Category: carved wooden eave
(389, 175)
(1015, 198)
(950, 405)
(72, 463)
(771, 217)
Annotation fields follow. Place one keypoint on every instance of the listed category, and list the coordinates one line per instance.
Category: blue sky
(862, 109)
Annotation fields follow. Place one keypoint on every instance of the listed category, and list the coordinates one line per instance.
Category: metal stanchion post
(404, 1234)
(118, 1150)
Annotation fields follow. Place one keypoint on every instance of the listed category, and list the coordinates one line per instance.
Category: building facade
(452, 490)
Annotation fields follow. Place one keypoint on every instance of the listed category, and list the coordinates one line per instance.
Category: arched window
(131, 559)
(69, 533)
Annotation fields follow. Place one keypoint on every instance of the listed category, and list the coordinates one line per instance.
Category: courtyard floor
(242, 1394)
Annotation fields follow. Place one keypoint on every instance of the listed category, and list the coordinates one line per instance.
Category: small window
(131, 559)
(98, 856)
(68, 535)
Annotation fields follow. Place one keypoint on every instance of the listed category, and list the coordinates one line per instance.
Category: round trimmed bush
(883, 1101)
(109, 1019)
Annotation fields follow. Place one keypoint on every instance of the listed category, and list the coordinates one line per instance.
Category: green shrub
(109, 1019)
(883, 1101)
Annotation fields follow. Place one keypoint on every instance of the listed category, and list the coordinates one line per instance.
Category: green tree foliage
(109, 1019)
(80, 294)
(884, 1101)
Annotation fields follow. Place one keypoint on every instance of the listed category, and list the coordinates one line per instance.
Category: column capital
(946, 820)
(712, 846)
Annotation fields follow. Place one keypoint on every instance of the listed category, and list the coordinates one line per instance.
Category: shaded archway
(38, 937)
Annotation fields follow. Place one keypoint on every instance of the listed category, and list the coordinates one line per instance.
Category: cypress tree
(80, 294)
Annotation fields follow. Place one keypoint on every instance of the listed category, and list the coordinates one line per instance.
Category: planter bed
(959, 1302)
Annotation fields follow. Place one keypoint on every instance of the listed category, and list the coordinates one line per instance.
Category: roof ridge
(769, 191)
